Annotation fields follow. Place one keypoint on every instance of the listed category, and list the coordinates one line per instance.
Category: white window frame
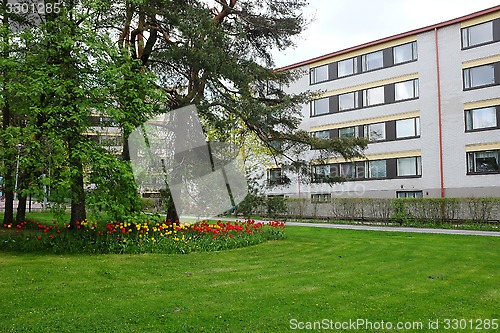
(355, 103)
(417, 160)
(366, 61)
(468, 32)
(367, 96)
(471, 123)
(416, 127)
(353, 65)
(314, 104)
(321, 197)
(472, 162)
(369, 135)
(313, 74)
(409, 194)
(321, 134)
(414, 90)
(412, 46)
(356, 132)
(372, 165)
(468, 76)
(272, 172)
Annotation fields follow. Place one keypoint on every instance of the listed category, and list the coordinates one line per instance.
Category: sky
(340, 24)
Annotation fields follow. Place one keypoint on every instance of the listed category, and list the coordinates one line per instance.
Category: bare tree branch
(226, 10)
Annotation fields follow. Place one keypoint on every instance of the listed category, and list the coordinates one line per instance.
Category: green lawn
(44, 217)
(314, 274)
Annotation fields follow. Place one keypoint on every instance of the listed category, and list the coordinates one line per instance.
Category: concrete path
(383, 228)
(396, 229)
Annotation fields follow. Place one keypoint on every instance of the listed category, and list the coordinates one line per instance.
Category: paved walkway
(383, 228)
(397, 229)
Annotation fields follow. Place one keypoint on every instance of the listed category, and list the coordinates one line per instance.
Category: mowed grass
(314, 274)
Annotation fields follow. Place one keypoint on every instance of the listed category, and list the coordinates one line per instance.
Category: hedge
(458, 210)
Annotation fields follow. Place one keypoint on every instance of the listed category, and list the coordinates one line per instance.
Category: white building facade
(429, 102)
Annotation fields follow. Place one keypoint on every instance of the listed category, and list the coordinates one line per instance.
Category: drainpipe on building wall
(298, 183)
(440, 123)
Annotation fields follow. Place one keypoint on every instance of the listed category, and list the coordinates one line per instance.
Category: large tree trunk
(78, 212)
(172, 215)
(8, 216)
(10, 167)
(21, 203)
(21, 209)
(126, 148)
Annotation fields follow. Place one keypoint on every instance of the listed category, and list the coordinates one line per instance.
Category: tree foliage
(130, 60)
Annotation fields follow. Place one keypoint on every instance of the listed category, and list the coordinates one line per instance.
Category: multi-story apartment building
(429, 102)
(105, 132)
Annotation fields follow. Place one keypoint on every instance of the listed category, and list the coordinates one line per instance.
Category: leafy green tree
(132, 59)
(13, 118)
(219, 58)
(69, 69)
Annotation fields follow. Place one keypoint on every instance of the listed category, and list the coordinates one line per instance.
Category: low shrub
(463, 213)
(401, 214)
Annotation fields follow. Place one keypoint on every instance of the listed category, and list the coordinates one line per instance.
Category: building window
(276, 144)
(321, 173)
(322, 134)
(322, 197)
(373, 96)
(94, 121)
(406, 90)
(318, 74)
(407, 128)
(273, 88)
(111, 140)
(367, 62)
(409, 166)
(481, 118)
(405, 53)
(347, 170)
(348, 101)
(483, 161)
(274, 176)
(477, 34)
(370, 97)
(372, 61)
(348, 132)
(100, 121)
(377, 169)
(353, 170)
(409, 194)
(375, 132)
(94, 138)
(320, 106)
(347, 67)
(479, 76)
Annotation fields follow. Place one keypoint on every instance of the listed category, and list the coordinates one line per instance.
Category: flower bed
(138, 237)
